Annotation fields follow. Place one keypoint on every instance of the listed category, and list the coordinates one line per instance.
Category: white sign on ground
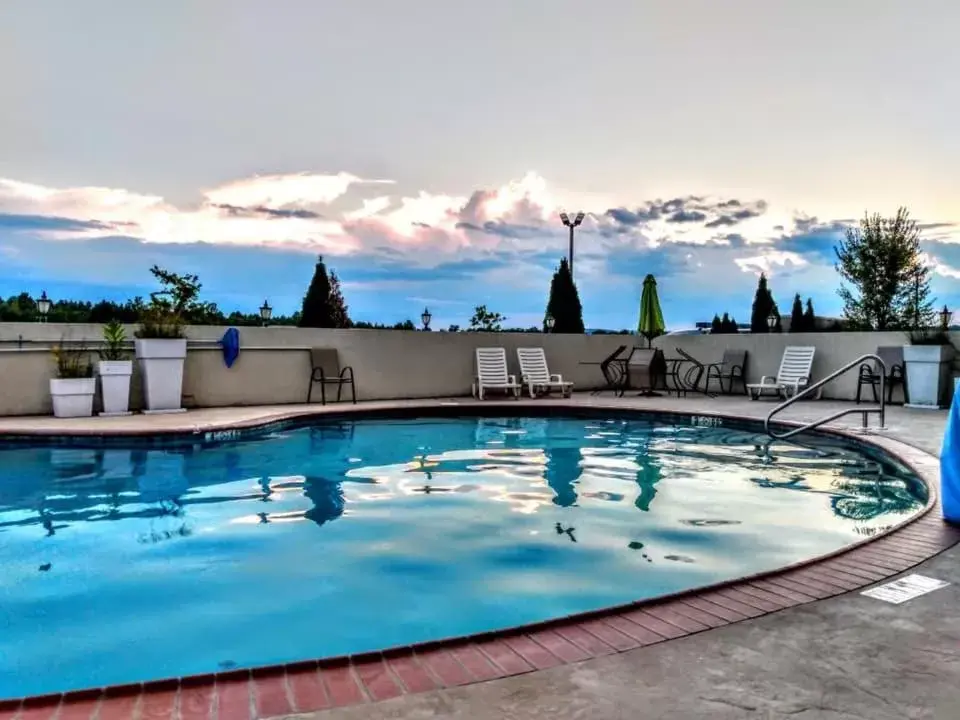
(905, 588)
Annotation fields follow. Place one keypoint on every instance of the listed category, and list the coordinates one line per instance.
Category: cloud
(500, 241)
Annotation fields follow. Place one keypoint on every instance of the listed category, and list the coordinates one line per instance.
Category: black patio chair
(325, 369)
(732, 368)
(688, 379)
(612, 369)
(892, 357)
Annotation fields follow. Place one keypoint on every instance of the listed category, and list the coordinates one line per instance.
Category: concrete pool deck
(769, 648)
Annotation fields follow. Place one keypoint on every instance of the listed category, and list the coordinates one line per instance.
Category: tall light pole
(576, 221)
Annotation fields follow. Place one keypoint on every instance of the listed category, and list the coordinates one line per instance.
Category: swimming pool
(141, 560)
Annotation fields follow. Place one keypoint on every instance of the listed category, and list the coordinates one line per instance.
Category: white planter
(72, 397)
(115, 386)
(929, 368)
(161, 368)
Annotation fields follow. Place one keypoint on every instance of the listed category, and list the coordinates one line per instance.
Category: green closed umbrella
(651, 318)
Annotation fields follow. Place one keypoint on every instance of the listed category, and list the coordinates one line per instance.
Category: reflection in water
(348, 537)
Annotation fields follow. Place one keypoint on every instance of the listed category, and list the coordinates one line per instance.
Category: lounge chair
(325, 369)
(732, 367)
(535, 374)
(492, 373)
(892, 357)
(792, 377)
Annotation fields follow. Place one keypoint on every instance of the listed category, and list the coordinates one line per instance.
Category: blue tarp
(231, 346)
(950, 464)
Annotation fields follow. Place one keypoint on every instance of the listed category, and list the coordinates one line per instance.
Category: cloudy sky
(426, 147)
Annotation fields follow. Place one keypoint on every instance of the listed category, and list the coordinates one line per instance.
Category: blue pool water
(129, 564)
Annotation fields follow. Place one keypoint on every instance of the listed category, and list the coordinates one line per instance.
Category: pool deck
(800, 643)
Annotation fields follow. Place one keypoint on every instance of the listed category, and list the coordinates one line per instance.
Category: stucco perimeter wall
(274, 363)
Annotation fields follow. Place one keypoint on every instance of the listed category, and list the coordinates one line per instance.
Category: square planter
(115, 386)
(161, 367)
(929, 368)
(73, 397)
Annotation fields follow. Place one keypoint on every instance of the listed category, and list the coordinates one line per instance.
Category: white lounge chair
(536, 376)
(792, 377)
(492, 373)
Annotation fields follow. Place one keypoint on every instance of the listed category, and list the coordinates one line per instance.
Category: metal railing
(865, 411)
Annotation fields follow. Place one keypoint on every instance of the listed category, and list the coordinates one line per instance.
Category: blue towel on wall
(231, 346)
(950, 464)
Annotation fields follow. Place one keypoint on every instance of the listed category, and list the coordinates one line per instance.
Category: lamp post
(266, 312)
(549, 321)
(576, 222)
(425, 318)
(945, 317)
(43, 305)
(772, 321)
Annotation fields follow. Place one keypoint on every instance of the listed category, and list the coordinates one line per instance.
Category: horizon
(229, 141)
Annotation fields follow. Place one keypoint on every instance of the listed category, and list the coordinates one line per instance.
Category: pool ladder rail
(864, 411)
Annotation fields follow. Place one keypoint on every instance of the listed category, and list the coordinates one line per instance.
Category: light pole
(425, 318)
(266, 312)
(945, 317)
(43, 305)
(772, 321)
(549, 322)
(576, 221)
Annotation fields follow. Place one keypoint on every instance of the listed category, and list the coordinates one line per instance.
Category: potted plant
(929, 364)
(161, 342)
(114, 369)
(73, 388)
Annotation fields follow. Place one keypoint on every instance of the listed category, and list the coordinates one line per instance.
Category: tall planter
(161, 368)
(115, 386)
(929, 369)
(72, 397)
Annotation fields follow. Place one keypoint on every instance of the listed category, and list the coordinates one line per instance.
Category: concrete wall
(274, 365)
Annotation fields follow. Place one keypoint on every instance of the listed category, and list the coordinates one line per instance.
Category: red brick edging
(316, 685)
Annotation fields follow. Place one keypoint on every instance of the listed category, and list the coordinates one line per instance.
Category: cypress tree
(564, 303)
(762, 301)
(809, 319)
(316, 311)
(716, 326)
(725, 324)
(733, 328)
(797, 323)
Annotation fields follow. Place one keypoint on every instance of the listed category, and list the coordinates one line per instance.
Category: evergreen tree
(732, 327)
(716, 326)
(763, 306)
(880, 263)
(317, 312)
(338, 306)
(796, 316)
(564, 303)
(809, 319)
(725, 324)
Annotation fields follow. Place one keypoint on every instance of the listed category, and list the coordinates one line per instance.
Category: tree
(878, 261)
(796, 316)
(716, 326)
(338, 306)
(564, 303)
(725, 324)
(317, 311)
(915, 298)
(485, 321)
(732, 327)
(809, 319)
(763, 307)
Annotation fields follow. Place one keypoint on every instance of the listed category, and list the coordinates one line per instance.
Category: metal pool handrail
(880, 410)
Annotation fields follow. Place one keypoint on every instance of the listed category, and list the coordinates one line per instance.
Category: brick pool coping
(316, 685)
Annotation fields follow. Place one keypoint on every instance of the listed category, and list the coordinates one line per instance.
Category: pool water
(128, 564)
